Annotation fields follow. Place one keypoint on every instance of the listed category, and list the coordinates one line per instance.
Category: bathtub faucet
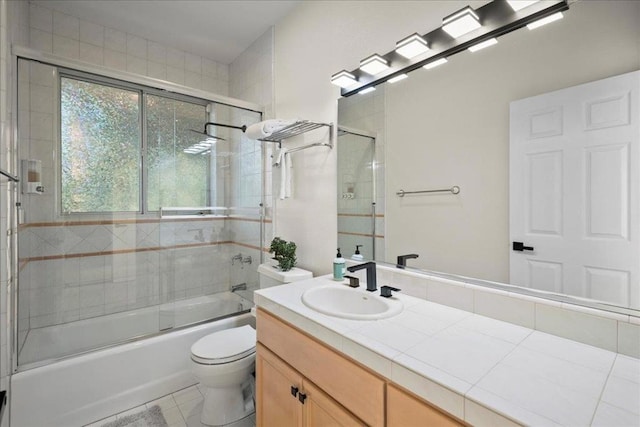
(236, 258)
(240, 287)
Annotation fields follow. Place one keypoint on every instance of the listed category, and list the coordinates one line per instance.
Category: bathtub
(54, 342)
(82, 389)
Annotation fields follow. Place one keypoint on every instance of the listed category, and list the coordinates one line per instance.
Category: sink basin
(347, 303)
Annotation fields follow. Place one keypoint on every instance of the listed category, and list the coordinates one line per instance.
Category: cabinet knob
(302, 397)
(294, 391)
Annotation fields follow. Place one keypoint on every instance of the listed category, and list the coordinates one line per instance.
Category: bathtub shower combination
(136, 235)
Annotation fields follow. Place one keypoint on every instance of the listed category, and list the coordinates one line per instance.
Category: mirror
(451, 126)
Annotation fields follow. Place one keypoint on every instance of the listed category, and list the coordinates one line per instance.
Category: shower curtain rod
(243, 128)
(8, 175)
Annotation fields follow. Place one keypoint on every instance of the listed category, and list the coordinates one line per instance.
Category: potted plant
(284, 252)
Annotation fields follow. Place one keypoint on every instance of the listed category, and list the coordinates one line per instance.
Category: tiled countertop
(484, 371)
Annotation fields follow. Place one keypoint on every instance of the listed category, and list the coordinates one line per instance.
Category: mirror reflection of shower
(359, 222)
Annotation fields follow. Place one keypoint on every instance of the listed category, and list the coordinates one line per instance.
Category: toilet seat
(225, 346)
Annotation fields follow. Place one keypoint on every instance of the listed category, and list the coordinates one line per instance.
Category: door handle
(519, 246)
(294, 391)
(302, 397)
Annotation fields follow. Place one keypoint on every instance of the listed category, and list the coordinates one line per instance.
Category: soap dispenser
(357, 256)
(339, 267)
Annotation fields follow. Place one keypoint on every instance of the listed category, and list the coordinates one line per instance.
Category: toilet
(224, 361)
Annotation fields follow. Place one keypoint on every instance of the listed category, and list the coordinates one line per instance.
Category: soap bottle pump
(339, 267)
(357, 256)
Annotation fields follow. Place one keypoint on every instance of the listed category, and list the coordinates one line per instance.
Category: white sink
(340, 301)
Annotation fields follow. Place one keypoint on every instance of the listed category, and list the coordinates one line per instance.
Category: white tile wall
(586, 328)
(597, 328)
(250, 78)
(91, 33)
(502, 307)
(72, 288)
(629, 339)
(71, 37)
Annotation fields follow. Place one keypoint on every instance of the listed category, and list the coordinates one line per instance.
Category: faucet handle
(385, 291)
(354, 282)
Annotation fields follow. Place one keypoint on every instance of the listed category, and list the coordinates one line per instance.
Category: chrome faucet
(371, 274)
(402, 260)
(236, 258)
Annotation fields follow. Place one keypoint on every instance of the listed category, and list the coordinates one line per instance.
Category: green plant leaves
(284, 252)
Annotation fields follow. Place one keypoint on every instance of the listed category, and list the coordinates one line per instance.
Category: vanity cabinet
(323, 370)
(286, 398)
(405, 410)
(302, 382)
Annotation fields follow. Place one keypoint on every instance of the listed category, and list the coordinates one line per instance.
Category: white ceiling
(217, 29)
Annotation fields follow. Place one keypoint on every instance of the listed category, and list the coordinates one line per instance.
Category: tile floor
(181, 409)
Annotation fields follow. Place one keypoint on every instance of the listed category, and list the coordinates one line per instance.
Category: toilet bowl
(224, 362)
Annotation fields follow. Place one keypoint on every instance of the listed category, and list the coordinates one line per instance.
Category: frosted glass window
(103, 168)
(100, 147)
(175, 178)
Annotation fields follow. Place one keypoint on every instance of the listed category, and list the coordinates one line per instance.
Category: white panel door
(575, 191)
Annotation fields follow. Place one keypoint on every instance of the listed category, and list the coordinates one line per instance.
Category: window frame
(143, 183)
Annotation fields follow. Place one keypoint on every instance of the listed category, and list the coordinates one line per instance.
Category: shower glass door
(357, 217)
(125, 229)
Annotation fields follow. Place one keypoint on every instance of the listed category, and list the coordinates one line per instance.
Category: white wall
(251, 79)
(316, 40)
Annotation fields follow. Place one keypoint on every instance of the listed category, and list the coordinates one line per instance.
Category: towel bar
(453, 190)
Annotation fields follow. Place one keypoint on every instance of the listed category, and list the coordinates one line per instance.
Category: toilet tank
(271, 276)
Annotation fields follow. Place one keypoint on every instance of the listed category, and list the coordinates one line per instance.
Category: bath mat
(152, 417)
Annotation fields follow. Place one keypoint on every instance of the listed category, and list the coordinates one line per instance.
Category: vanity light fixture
(517, 5)
(374, 64)
(544, 21)
(481, 28)
(398, 78)
(412, 46)
(367, 90)
(461, 22)
(482, 45)
(343, 79)
(434, 64)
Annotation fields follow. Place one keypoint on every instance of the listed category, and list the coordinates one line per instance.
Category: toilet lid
(225, 346)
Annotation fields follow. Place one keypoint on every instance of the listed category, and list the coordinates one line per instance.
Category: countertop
(481, 370)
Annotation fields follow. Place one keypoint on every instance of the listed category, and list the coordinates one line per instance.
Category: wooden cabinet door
(361, 392)
(404, 410)
(322, 411)
(276, 404)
